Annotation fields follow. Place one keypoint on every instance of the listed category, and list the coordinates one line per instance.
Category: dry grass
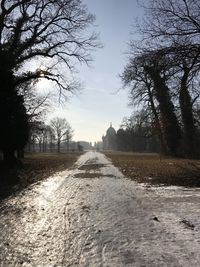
(39, 166)
(153, 169)
(35, 167)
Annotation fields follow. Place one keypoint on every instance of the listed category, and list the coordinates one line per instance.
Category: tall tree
(169, 121)
(175, 24)
(188, 65)
(142, 92)
(31, 31)
(170, 52)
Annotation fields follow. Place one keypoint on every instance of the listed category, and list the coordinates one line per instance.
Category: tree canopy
(35, 29)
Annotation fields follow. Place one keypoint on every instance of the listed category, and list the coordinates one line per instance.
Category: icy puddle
(92, 216)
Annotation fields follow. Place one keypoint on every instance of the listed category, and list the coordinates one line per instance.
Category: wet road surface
(92, 216)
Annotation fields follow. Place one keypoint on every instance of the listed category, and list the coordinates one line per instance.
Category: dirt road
(92, 216)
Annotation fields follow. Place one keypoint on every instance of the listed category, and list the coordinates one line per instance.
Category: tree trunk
(58, 145)
(159, 132)
(190, 145)
(169, 122)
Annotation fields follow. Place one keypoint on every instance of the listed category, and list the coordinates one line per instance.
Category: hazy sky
(100, 103)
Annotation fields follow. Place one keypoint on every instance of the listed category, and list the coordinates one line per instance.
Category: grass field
(35, 167)
(153, 169)
(39, 166)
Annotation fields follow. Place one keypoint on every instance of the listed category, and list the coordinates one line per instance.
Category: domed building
(109, 140)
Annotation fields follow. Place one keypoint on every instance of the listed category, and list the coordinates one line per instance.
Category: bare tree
(135, 133)
(146, 75)
(45, 29)
(38, 136)
(30, 31)
(163, 70)
(172, 20)
(173, 26)
(36, 104)
(61, 129)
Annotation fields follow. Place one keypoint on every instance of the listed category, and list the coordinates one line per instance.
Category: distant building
(110, 139)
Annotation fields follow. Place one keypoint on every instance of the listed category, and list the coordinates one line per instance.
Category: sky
(101, 101)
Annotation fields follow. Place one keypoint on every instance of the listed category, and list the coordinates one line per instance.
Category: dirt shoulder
(156, 170)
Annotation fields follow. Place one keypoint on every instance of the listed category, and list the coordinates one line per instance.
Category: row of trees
(135, 134)
(35, 38)
(163, 74)
(45, 137)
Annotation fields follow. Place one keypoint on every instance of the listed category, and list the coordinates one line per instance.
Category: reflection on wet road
(92, 216)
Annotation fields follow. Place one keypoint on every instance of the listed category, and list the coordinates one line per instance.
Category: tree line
(162, 74)
(135, 135)
(49, 137)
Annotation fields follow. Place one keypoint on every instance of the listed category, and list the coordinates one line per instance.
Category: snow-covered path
(92, 216)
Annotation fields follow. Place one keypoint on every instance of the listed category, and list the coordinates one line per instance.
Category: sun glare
(43, 85)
